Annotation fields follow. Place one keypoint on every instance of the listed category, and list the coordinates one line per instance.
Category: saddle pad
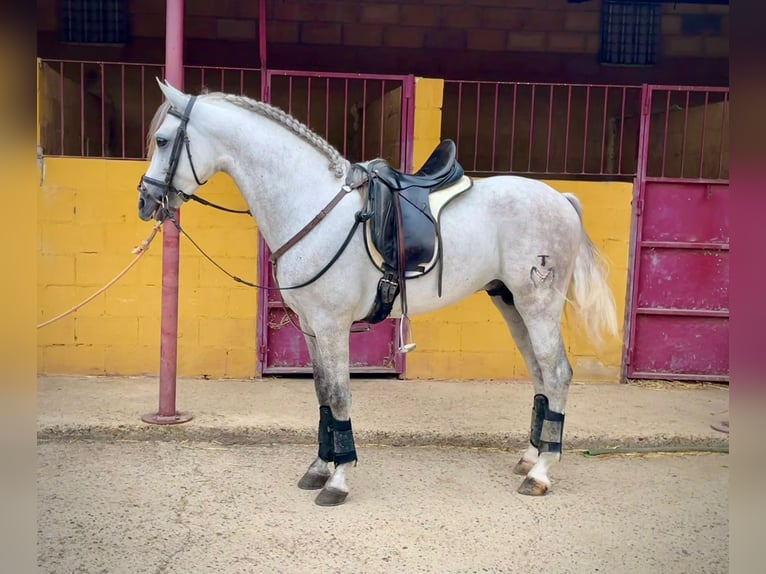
(437, 200)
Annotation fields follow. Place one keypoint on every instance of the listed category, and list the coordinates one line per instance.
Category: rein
(204, 201)
(359, 218)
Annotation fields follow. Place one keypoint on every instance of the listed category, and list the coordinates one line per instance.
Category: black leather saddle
(402, 227)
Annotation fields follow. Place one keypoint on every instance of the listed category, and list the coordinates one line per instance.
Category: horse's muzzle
(149, 203)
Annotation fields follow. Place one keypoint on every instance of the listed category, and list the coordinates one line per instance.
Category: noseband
(181, 140)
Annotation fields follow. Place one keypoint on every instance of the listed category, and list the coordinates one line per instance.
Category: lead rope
(139, 251)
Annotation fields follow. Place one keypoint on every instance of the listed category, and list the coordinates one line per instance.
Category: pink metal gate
(363, 116)
(678, 311)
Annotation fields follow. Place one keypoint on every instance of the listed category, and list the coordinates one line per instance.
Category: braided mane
(337, 161)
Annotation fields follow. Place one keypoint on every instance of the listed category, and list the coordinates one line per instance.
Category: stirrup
(405, 347)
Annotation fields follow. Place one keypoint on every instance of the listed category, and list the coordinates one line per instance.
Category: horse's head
(174, 172)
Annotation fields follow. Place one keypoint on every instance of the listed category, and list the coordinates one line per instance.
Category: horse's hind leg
(504, 304)
(318, 472)
(543, 321)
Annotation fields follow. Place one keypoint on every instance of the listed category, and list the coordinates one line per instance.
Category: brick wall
(501, 39)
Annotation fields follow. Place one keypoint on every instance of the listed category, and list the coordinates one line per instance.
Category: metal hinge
(41, 163)
(262, 354)
(639, 206)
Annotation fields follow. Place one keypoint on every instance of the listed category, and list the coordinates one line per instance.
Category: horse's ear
(176, 97)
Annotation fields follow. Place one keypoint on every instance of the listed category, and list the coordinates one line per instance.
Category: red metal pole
(265, 95)
(174, 73)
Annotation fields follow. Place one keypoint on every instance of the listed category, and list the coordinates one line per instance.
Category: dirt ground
(137, 507)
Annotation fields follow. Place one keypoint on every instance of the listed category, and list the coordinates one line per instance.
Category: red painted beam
(174, 73)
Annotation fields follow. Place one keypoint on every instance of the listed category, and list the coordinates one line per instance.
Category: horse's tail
(592, 296)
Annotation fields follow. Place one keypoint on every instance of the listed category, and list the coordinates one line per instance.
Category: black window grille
(630, 32)
(94, 21)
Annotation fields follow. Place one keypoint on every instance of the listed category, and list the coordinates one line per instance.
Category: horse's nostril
(141, 203)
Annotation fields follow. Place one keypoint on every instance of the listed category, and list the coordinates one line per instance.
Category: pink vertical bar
(170, 245)
(494, 125)
(241, 82)
(382, 114)
(262, 33)
(476, 128)
(61, 107)
(566, 134)
(143, 116)
(405, 133)
(641, 173)
(122, 108)
(345, 115)
(665, 134)
(723, 123)
(364, 114)
(459, 114)
(223, 71)
(290, 95)
(410, 89)
(603, 129)
(622, 128)
(202, 79)
(585, 129)
(308, 103)
(702, 141)
(531, 129)
(683, 135)
(550, 130)
(327, 109)
(103, 119)
(513, 125)
(82, 109)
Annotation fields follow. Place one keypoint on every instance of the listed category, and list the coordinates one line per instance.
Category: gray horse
(518, 239)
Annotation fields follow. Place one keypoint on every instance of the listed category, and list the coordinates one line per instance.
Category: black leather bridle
(181, 140)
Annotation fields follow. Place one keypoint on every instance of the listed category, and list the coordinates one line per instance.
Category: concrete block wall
(87, 227)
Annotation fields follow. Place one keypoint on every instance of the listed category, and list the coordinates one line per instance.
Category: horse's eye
(161, 142)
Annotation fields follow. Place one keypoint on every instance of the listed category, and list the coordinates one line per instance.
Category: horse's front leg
(319, 471)
(329, 351)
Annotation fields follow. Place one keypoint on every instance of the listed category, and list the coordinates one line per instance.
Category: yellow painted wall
(87, 226)
(470, 340)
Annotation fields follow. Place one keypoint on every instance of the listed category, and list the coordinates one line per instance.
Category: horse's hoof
(532, 487)
(523, 467)
(311, 481)
(330, 496)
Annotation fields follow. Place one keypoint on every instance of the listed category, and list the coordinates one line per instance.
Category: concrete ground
(385, 411)
(433, 491)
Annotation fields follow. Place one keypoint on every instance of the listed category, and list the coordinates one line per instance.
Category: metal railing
(543, 129)
(686, 133)
(363, 116)
(103, 109)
